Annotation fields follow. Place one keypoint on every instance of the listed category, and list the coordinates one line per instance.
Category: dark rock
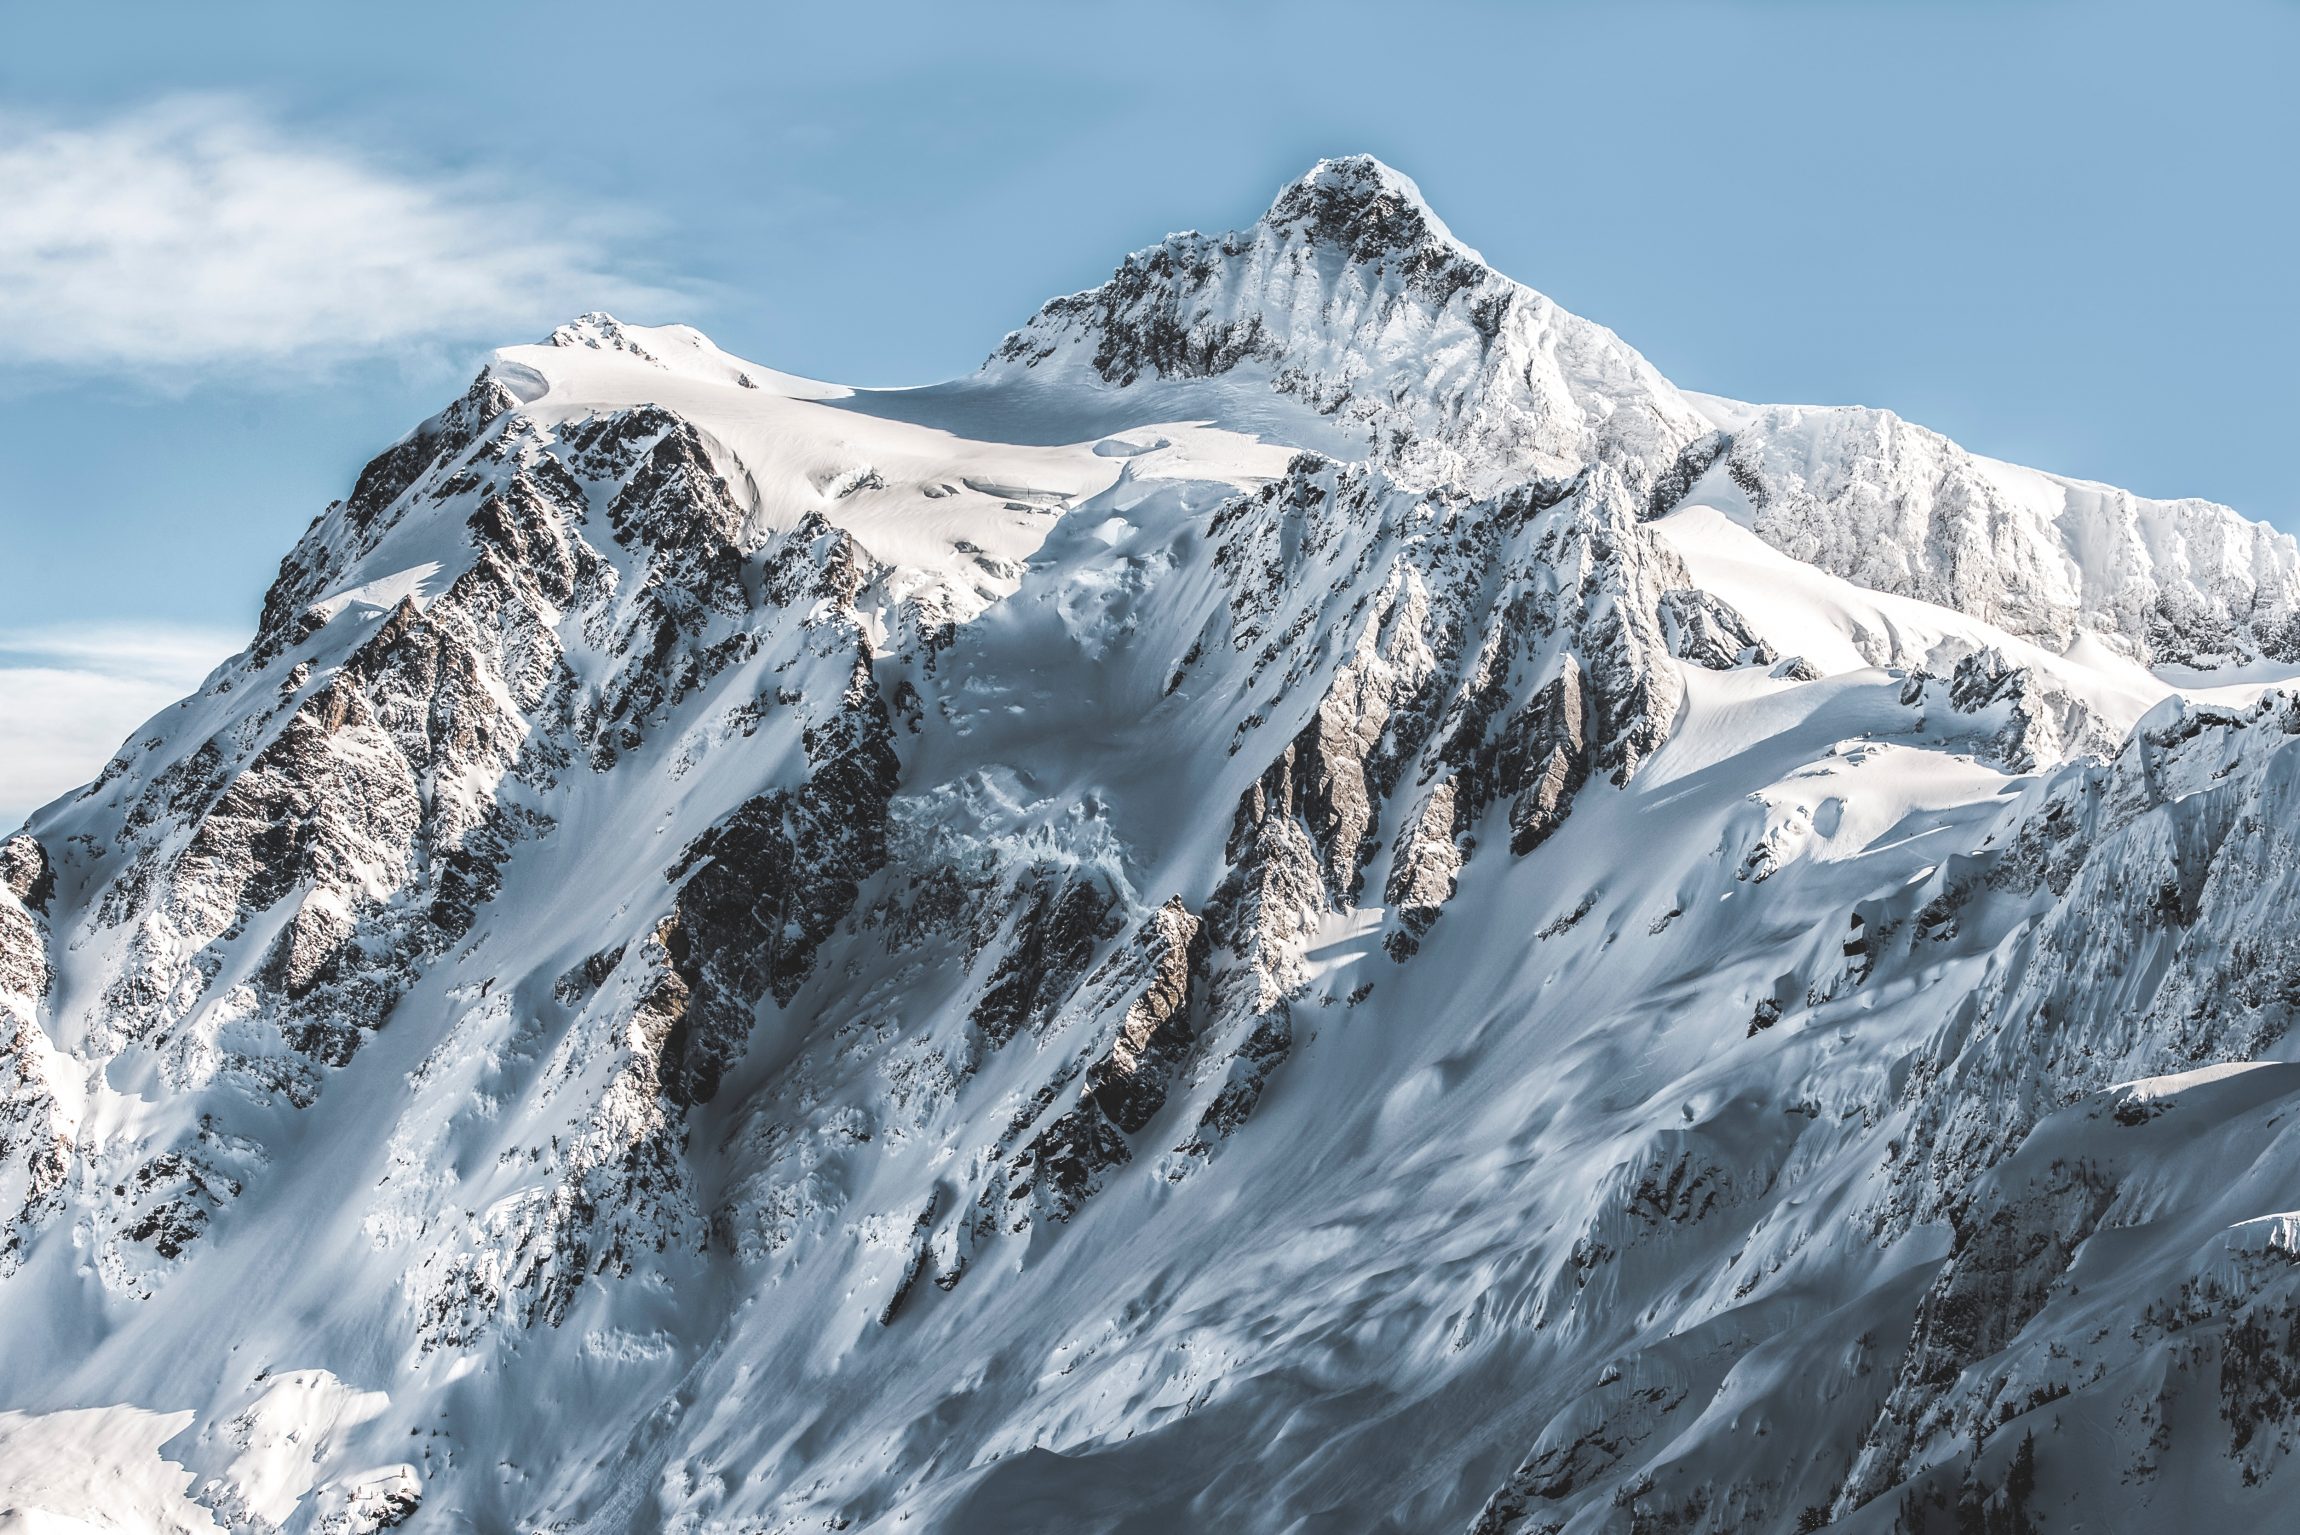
(759, 892)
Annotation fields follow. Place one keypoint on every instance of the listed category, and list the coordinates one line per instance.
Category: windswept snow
(96, 1469)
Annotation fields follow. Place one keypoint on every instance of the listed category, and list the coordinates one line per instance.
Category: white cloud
(196, 232)
(69, 697)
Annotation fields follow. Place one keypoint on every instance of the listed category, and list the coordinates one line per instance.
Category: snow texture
(1315, 901)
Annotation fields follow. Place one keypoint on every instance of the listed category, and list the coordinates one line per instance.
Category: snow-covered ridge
(1890, 505)
(1315, 901)
(1350, 294)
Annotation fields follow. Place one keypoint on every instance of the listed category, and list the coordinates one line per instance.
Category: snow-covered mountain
(1315, 901)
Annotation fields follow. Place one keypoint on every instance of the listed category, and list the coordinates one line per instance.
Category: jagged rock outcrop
(1588, 600)
(2021, 720)
(1058, 926)
(1124, 1084)
(36, 1134)
(27, 886)
(759, 892)
(1704, 629)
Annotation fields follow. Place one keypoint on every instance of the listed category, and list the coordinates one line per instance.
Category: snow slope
(1313, 902)
(1892, 506)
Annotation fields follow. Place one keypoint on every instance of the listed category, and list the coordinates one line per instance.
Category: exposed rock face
(342, 838)
(27, 886)
(1056, 933)
(2010, 1253)
(1125, 1083)
(1129, 1084)
(35, 1134)
(1358, 935)
(760, 891)
(356, 525)
(2020, 719)
(608, 1191)
(1705, 630)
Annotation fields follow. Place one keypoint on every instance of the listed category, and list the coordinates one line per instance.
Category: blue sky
(264, 240)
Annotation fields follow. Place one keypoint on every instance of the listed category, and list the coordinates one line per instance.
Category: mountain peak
(1364, 206)
(712, 888)
(1352, 297)
(598, 330)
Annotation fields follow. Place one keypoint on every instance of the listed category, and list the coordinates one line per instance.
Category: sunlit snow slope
(1314, 902)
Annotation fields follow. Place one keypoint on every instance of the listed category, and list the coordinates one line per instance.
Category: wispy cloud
(197, 233)
(69, 697)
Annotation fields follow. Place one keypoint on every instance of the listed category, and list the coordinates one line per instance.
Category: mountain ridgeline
(1313, 901)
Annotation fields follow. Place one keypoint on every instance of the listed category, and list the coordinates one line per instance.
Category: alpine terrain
(1315, 902)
